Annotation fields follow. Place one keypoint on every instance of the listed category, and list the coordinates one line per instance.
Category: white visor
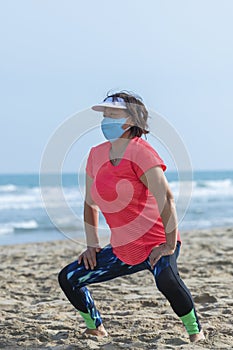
(117, 103)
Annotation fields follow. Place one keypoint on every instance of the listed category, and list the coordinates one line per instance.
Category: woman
(125, 179)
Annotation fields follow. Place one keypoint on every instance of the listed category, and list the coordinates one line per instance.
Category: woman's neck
(121, 143)
(117, 150)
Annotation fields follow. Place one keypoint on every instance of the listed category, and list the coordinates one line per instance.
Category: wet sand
(36, 315)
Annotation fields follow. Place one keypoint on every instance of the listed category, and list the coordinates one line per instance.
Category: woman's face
(117, 113)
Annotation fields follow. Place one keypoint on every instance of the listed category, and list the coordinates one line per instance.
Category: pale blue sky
(60, 57)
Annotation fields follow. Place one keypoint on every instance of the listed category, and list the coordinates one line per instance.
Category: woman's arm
(91, 218)
(157, 184)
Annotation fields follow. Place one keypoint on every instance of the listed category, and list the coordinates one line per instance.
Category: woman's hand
(158, 252)
(89, 257)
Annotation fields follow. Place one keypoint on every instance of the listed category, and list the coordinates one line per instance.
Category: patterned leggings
(74, 278)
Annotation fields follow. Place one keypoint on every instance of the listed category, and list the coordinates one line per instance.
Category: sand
(36, 315)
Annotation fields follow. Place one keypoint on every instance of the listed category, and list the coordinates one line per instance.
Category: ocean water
(24, 216)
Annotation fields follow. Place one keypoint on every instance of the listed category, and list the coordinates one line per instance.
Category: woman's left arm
(157, 184)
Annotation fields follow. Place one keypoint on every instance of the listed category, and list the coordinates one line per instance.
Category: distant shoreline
(105, 238)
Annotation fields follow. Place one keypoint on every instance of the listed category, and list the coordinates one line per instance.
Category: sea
(33, 211)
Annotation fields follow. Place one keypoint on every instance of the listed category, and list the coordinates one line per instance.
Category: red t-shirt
(129, 208)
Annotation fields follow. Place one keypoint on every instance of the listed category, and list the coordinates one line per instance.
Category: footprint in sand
(205, 298)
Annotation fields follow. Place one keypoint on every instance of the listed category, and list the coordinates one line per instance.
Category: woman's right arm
(91, 218)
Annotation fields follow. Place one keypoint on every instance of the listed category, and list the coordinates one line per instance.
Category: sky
(59, 57)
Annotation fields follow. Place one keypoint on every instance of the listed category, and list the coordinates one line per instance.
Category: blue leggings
(74, 278)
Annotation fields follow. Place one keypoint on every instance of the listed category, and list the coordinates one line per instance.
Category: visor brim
(100, 107)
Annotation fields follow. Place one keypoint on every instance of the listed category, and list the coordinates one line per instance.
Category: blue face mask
(112, 128)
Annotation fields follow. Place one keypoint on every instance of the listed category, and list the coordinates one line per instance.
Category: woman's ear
(128, 123)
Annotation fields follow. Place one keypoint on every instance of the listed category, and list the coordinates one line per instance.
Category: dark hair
(137, 110)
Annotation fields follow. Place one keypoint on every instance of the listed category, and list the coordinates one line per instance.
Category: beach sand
(36, 315)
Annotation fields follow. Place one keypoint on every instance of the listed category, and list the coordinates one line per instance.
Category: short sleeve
(146, 158)
(89, 165)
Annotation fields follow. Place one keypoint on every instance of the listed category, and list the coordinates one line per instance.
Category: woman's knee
(62, 278)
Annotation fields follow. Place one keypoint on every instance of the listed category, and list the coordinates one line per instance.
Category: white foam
(208, 188)
(4, 229)
(10, 227)
(26, 225)
(8, 188)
